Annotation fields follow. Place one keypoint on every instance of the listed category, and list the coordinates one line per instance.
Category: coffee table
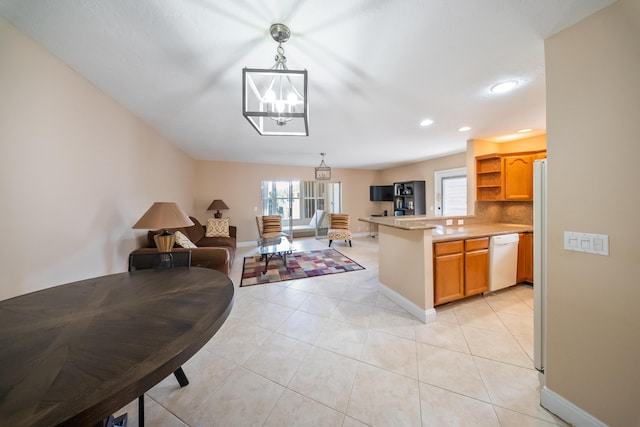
(274, 247)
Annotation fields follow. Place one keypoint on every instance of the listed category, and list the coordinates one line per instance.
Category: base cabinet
(460, 269)
(476, 266)
(525, 258)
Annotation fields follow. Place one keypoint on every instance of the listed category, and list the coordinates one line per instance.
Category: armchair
(339, 228)
(270, 226)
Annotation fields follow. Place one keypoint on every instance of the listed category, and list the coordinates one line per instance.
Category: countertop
(472, 231)
(452, 232)
(402, 222)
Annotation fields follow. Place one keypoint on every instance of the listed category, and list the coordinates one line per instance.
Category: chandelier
(274, 100)
(323, 172)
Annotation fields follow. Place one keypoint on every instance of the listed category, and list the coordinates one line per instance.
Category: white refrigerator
(539, 264)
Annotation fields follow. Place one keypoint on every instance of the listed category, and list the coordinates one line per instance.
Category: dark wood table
(74, 354)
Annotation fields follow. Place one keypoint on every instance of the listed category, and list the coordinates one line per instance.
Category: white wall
(76, 172)
(593, 107)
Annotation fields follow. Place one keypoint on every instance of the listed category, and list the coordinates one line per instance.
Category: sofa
(216, 253)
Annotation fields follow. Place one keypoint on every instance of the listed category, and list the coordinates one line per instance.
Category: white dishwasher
(503, 261)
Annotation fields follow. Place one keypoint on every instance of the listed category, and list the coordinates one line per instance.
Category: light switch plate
(586, 242)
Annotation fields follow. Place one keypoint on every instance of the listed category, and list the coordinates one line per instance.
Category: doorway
(303, 205)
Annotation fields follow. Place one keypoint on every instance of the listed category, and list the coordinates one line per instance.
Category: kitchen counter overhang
(450, 232)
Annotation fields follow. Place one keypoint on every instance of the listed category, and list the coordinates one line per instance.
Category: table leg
(181, 377)
(267, 258)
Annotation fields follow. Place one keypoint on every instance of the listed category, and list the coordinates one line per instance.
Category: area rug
(300, 265)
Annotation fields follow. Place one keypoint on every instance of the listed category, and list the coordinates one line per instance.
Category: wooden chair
(158, 260)
(339, 228)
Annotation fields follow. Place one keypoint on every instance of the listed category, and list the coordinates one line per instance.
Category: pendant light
(274, 100)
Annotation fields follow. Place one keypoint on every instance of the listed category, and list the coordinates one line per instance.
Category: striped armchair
(270, 226)
(339, 228)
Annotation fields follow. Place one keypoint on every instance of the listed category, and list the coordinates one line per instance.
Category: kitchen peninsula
(406, 256)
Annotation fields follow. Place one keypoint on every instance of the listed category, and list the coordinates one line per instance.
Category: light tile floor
(333, 351)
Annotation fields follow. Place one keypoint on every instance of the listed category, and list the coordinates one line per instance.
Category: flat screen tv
(381, 193)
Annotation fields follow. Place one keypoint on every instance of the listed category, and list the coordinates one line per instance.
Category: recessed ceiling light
(426, 122)
(504, 86)
(464, 129)
(525, 130)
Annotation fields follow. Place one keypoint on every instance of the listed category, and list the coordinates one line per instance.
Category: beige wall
(76, 169)
(422, 171)
(238, 184)
(593, 106)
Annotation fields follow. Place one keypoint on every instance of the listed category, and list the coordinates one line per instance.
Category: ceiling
(376, 69)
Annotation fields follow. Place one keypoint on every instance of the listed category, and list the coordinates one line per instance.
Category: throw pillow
(196, 231)
(340, 221)
(217, 227)
(271, 224)
(183, 240)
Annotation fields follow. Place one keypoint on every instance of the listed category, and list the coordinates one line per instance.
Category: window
(451, 192)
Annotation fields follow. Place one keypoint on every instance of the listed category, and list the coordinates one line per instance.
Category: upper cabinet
(506, 176)
(489, 177)
(518, 177)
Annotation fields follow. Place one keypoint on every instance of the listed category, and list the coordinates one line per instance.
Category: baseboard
(425, 316)
(566, 410)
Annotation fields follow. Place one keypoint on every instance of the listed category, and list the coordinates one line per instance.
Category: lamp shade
(163, 215)
(217, 205)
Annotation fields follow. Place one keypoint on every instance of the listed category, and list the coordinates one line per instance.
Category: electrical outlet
(449, 222)
(461, 222)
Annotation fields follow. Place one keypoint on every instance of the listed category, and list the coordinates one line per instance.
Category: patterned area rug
(300, 265)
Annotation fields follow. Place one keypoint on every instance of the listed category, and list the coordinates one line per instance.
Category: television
(381, 193)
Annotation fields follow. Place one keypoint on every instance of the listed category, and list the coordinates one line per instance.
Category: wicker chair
(339, 228)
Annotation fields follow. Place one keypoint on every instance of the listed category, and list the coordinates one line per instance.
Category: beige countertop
(471, 231)
(452, 232)
(404, 223)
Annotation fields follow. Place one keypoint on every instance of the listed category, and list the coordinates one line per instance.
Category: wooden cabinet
(525, 258)
(409, 198)
(460, 269)
(489, 178)
(506, 177)
(476, 266)
(518, 177)
(448, 272)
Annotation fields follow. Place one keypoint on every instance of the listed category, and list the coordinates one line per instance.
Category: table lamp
(217, 205)
(163, 215)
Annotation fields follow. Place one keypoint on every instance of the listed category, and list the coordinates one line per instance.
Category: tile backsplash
(505, 212)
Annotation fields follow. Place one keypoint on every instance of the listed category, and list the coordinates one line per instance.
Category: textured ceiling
(376, 69)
